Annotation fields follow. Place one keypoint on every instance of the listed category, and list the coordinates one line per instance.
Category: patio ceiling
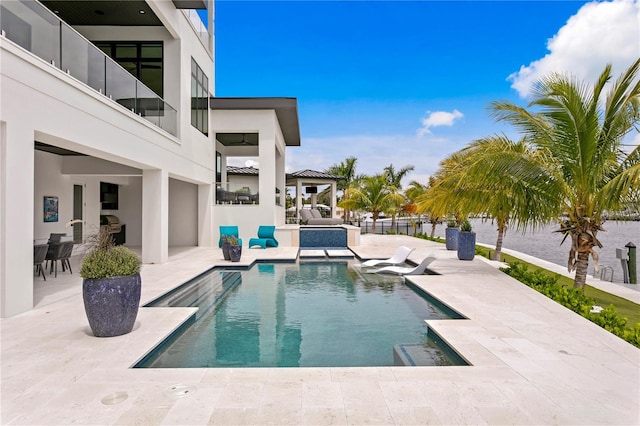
(286, 110)
(104, 12)
(237, 139)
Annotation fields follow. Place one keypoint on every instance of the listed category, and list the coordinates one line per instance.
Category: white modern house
(108, 109)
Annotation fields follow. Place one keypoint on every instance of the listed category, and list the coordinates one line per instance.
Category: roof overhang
(190, 4)
(311, 178)
(286, 110)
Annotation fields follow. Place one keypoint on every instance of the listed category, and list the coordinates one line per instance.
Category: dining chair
(39, 255)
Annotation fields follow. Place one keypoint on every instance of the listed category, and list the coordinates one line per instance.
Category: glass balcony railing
(36, 29)
(199, 27)
(229, 193)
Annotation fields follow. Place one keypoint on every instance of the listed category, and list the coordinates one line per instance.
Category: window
(218, 167)
(199, 98)
(142, 59)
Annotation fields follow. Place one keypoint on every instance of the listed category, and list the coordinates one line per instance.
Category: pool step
(333, 253)
(207, 287)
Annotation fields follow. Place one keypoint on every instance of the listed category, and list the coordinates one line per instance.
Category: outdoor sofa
(313, 217)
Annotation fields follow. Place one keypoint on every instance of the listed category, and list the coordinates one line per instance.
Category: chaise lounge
(400, 270)
(399, 257)
(313, 217)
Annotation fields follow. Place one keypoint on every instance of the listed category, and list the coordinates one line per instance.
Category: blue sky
(409, 82)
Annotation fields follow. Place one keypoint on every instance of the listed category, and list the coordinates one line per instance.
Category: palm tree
(470, 185)
(424, 207)
(373, 195)
(413, 193)
(394, 179)
(443, 198)
(347, 170)
(580, 132)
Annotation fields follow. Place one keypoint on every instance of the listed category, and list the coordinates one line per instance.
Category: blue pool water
(316, 314)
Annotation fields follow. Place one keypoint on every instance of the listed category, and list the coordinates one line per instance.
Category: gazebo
(311, 180)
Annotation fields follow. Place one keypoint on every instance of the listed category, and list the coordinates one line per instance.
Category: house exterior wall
(183, 213)
(271, 165)
(42, 103)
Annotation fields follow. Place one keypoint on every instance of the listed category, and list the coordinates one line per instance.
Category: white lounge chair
(400, 256)
(400, 270)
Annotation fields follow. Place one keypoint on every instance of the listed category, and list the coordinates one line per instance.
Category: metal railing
(36, 29)
(384, 227)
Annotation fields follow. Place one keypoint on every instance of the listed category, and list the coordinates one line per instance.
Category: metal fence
(401, 227)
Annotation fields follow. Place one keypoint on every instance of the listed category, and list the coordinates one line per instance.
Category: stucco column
(281, 211)
(17, 212)
(205, 217)
(298, 199)
(267, 182)
(155, 216)
(334, 202)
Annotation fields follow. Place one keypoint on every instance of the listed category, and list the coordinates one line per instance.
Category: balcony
(36, 29)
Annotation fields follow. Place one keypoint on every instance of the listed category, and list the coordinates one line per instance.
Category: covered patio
(311, 180)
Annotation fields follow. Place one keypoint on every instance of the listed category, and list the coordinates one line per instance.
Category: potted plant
(111, 286)
(225, 246)
(235, 249)
(451, 235)
(466, 241)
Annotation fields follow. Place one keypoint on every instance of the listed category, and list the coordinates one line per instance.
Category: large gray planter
(112, 304)
(451, 235)
(235, 252)
(225, 250)
(466, 245)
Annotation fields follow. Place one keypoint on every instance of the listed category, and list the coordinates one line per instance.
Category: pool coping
(534, 362)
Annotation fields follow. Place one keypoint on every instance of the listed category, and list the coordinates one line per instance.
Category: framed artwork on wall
(50, 209)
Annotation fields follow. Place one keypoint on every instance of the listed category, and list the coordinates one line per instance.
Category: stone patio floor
(533, 361)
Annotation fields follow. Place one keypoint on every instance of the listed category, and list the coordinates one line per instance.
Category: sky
(408, 83)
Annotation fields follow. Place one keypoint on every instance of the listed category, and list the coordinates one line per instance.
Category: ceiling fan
(243, 142)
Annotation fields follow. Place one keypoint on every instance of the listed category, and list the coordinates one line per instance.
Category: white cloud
(438, 118)
(600, 33)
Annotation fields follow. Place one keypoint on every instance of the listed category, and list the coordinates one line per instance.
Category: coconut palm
(472, 185)
(394, 178)
(347, 170)
(373, 195)
(417, 193)
(444, 196)
(580, 130)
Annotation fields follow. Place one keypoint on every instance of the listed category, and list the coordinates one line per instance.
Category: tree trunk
(582, 264)
(433, 228)
(393, 221)
(498, 252)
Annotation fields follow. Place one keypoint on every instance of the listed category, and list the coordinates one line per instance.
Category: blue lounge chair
(265, 237)
(229, 231)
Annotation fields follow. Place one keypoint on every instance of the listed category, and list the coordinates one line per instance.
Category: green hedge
(424, 236)
(574, 299)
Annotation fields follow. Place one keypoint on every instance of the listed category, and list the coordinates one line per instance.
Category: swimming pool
(308, 314)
